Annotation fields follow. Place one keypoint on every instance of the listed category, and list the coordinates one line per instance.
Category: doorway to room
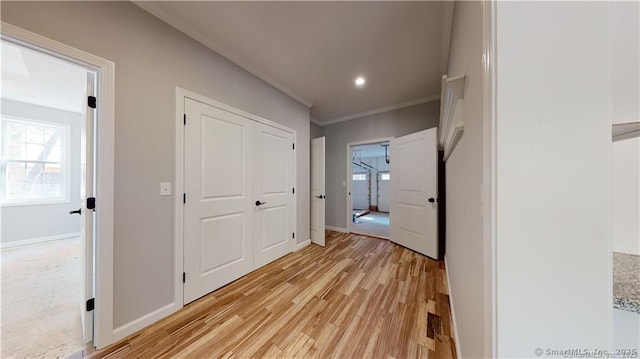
(370, 189)
(47, 167)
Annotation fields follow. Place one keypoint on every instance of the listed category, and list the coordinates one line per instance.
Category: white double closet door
(239, 211)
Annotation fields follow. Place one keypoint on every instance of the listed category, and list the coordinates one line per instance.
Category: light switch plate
(165, 189)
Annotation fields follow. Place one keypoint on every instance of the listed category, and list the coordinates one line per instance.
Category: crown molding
(152, 9)
(379, 110)
(313, 120)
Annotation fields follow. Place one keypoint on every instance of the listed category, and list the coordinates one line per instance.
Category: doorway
(370, 188)
(46, 145)
(231, 225)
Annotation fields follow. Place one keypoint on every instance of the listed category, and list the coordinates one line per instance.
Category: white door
(360, 190)
(384, 189)
(87, 209)
(273, 194)
(414, 189)
(218, 213)
(317, 191)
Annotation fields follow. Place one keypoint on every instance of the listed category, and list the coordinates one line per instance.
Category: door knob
(320, 196)
(431, 199)
(77, 211)
(258, 203)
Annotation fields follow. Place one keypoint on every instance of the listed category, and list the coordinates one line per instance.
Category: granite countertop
(626, 282)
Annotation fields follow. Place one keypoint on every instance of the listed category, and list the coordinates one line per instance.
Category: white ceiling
(313, 51)
(367, 151)
(32, 77)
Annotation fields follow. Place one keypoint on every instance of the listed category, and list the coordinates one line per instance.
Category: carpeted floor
(41, 298)
(374, 224)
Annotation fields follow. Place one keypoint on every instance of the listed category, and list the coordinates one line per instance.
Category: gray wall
(316, 131)
(464, 173)
(52, 219)
(387, 124)
(152, 58)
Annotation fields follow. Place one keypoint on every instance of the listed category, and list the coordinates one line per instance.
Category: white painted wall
(464, 241)
(554, 278)
(626, 329)
(151, 59)
(625, 195)
(26, 222)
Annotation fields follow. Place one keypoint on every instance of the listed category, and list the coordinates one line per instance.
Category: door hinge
(184, 277)
(91, 304)
(294, 234)
(185, 118)
(91, 203)
(91, 101)
(293, 190)
(294, 146)
(184, 198)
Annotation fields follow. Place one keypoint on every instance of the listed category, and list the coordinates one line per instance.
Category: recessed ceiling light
(360, 81)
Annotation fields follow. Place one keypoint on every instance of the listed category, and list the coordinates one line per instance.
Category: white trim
(451, 113)
(65, 163)
(178, 261)
(135, 325)
(489, 186)
(26, 242)
(299, 246)
(35, 203)
(349, 179)
(152, 8)
(181, 95)
(313, 120)
(336, 229)
(380, 110)
(456, 336)
(228, 108)
(104, 333)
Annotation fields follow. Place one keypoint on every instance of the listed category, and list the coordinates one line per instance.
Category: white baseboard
(456, 337)
(144, 321)
(26, 242)
(336, 229)
(299, 246)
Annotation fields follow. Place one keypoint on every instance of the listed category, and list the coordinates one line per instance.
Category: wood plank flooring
(359, 297)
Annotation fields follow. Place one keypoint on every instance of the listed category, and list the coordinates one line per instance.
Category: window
(385, 176)
(34, 162)
(359, 176)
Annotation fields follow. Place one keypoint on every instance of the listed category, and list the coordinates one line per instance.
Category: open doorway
(46, 145)
(370, 189)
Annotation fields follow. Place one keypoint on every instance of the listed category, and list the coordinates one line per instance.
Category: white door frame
(181, 94)
(318, 214)
(489, 182)
(350, 174)
(104, 147)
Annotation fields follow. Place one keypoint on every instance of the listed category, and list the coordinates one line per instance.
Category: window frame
(366, 176)
(65, 164)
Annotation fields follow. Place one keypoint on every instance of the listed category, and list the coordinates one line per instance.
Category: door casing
(181, 94)
(104, 333)
(318, 188)
(349, 181)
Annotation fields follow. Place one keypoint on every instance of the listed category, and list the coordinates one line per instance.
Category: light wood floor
(359, 297)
